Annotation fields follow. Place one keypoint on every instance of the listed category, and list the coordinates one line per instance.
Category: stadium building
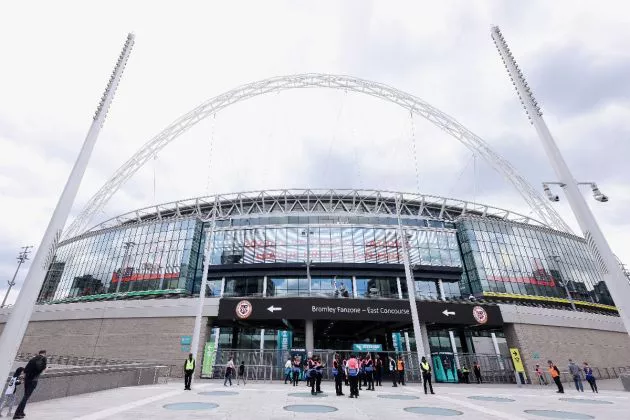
(322, 270)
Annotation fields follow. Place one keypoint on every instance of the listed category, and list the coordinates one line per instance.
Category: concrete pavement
(261, 401)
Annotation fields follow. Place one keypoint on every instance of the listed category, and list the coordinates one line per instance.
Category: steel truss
(545, 212)
(337, 202)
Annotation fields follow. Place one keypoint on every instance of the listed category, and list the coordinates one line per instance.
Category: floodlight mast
(612, 273)
(20, 315)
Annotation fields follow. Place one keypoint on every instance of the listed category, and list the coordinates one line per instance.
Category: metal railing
(566, 377)
(268, 365)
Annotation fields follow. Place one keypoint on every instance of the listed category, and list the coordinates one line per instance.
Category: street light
(597, 194)
(308, 232)
(22, 256)
(557, 259)
(125, 261)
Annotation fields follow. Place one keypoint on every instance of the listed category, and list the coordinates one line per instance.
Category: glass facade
(144, 257)
(495, 256)
(526, 260)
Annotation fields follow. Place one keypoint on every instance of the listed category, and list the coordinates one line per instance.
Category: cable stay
(414, 151)
(210, 153)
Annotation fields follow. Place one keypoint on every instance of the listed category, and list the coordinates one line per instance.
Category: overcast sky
(57, 58)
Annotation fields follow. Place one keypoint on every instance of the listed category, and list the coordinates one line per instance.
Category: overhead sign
(314, 308)
(358, 310)
(362, 347)
(516, 358)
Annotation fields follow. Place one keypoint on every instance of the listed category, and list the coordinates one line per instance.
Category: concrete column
(309, 338)
(354, 287)
(441, 289)
(262, 339)
(495, 343)
(454, 347)
(399, 288)
(425, 340)
(222, 286)
(264, 292)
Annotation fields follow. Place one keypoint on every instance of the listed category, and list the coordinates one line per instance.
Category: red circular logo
(480, 314)
(244, 309)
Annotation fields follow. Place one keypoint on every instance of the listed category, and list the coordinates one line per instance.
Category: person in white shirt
(229, 371)
(9, 394)
(288, 369)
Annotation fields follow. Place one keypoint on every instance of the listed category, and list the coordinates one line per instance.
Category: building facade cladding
(494, 255)
(521, 259)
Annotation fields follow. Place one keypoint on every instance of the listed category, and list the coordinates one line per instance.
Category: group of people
(463, 374)
(576, 374)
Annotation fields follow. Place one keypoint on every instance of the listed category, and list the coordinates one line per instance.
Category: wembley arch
(543, 210)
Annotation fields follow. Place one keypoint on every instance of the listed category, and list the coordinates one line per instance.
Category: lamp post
(415, 320)
(612, 273)
(14, 329)
(22, 256)
(125, 261)
(557, 259)
(308, 232)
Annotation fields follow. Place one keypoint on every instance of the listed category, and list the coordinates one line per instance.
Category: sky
(57, 58)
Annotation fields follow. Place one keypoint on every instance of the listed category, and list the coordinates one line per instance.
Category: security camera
(550, 195)
(597, 194)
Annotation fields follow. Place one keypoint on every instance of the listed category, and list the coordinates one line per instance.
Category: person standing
(353, 376)
(555, 374)
(288, 369)
(189, 369)
(316, 376)
(296, 371)
(229, 371)
(393, 370)
(241, 373)
(466, 374)
(378, 372)
(541, 376)
(369, 372)
(477, 372)
(35, 367)
(425, 367)
(344, 363)
(9, 393)
(590, 378)
(338, 374)
(574, 370)
(401, 370)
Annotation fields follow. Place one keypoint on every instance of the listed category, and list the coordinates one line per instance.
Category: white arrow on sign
(272, 309)
(447, 312)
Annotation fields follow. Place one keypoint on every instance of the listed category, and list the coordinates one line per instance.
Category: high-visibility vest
(400, 365)
(425, 366)
(190, 364)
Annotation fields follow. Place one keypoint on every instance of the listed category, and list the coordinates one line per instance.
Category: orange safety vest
(553, 372)
(401, 365)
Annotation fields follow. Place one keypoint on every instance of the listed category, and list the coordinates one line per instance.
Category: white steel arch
(534, 199)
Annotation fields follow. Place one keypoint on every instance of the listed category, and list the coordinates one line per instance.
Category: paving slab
(265, 401)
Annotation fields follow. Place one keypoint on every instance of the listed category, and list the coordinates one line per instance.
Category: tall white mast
(15, 327)
(613, 275)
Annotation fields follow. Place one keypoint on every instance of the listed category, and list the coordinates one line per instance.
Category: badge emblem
(480, 315)
(244, 309)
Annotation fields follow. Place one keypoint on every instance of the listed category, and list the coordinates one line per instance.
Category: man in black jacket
(32, 370)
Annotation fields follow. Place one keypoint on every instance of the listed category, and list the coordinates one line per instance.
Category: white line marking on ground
(108, 412)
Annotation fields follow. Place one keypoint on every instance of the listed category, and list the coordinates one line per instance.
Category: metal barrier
(268, 365)
(59, 383)
(566, 377)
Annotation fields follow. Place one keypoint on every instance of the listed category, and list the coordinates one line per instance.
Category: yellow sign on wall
(516, 358)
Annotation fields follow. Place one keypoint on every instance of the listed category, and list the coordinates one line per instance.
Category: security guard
(392, 369)
(425, 367)
(400, 367)
(189, 369)
(378, 371)
(369, 372)
(338, 373)
(353, 376)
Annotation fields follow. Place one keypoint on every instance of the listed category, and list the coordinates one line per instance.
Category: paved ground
(259, 401)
